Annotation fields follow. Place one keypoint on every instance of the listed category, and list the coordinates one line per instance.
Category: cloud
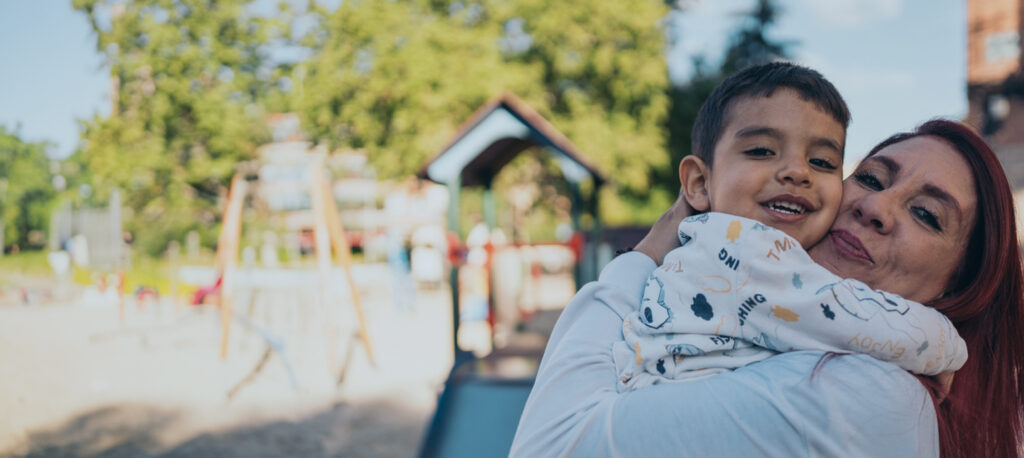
(853, 13)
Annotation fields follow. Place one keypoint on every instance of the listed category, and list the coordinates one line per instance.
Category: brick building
(995, 81)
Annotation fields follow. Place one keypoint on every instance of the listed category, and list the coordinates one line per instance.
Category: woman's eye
(759, 152)
(868, 180)
(823, 163)
(926, 217)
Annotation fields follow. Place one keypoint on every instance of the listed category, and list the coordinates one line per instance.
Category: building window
(1002, 46)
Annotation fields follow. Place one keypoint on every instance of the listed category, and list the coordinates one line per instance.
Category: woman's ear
(693, 175)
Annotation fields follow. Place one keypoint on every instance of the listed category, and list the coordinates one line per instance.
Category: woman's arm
(855, 406)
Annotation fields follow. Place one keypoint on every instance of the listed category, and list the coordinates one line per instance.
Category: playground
(322, 355)
(79, 383)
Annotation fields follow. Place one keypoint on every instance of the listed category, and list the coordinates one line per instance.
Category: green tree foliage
(188, 77)
(750, 44)
(26, 189)
(398, 78)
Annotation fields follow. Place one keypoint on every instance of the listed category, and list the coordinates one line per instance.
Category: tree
(26, 189)
(398, 78)
(188, 77)
(750, 44)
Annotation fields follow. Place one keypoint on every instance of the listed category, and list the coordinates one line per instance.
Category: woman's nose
(876, 210)
(796, 172)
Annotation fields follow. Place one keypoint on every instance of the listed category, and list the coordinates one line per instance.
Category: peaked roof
(494, 135)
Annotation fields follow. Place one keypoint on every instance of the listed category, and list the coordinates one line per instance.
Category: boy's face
(779, 161)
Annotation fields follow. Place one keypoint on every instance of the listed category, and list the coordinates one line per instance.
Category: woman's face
(905, 220)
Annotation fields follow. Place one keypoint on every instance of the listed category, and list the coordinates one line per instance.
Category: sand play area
(75, 381)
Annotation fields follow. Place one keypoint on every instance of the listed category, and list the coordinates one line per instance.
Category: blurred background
(346, 228)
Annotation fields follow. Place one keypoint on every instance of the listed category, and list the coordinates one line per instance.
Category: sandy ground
(74, 381)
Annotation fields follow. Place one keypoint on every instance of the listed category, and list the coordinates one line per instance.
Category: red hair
(985, 297)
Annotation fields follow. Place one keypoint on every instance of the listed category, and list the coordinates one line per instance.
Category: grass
(144, 271)
(25, 263)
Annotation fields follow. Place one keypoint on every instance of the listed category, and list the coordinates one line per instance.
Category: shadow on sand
(372, 429)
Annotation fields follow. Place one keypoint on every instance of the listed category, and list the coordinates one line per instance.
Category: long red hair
(982, 414)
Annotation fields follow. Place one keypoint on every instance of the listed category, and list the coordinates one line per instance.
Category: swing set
(329, 236)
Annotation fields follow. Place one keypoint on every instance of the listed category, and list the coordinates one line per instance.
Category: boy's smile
(779, 160)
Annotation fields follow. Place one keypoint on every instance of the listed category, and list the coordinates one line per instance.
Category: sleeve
(780, 299)
(857, 406)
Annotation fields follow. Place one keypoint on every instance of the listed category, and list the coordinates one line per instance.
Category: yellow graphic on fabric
(636, 348)
(714, 284)
(785, 314)
(733, 232)
(719, 327)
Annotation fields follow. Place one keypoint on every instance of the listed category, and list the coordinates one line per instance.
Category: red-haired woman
(927, 215)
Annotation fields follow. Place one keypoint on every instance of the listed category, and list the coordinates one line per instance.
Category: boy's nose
(796, 172)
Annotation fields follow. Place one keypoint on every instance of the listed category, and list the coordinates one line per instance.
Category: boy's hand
(662, 237)
(945, 380)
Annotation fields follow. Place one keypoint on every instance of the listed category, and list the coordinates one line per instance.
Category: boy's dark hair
(761, 81)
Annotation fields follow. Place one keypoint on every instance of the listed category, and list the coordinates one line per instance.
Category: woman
(927, 215)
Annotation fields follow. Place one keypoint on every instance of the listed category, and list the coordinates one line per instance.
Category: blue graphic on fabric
(684, 238)
(701, 218)
(857, 301)
(722, 340)
(762, 227)
(702, 308)
(653, 310)
(797, 283)
(922, 348)
(729, 261)
(828, 312)
(661, 366)
(762, 340)
(683, 350)
(861, 302)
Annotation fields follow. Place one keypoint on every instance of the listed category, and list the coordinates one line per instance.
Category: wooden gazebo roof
(493, 136)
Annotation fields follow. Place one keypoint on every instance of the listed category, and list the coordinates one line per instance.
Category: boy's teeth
(787, 207)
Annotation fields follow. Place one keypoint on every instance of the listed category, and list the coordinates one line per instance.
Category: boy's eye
(868, 180)
(759, 152)
(926, 217)
(823, 163)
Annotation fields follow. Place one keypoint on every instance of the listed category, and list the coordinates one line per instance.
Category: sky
(896, 62)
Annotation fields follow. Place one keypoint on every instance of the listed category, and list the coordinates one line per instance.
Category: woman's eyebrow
(889, 163)
(943, 196)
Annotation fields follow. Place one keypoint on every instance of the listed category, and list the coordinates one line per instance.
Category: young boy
(768, 152)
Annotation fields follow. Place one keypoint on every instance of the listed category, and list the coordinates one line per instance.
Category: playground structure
(237, 286)
(479, 409)
(499, 131)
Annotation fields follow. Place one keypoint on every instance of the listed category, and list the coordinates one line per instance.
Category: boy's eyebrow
(754, 131)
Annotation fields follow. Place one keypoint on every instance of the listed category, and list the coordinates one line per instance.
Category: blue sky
(897, 62)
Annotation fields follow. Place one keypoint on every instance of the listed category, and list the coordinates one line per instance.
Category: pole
(227, 256)
(453, 273)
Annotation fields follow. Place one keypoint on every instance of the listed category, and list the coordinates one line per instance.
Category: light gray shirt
(854, 405)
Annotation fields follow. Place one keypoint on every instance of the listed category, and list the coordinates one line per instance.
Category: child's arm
(780, 299)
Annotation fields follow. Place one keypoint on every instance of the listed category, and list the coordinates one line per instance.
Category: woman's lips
(849, 245)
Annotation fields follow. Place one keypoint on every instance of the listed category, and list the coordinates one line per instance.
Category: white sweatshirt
(854, 405)
(738, 291)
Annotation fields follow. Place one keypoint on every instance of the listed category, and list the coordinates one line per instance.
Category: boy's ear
(693, 175)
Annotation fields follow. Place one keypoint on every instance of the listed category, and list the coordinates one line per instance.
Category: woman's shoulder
(864, 399)
(845, 376)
